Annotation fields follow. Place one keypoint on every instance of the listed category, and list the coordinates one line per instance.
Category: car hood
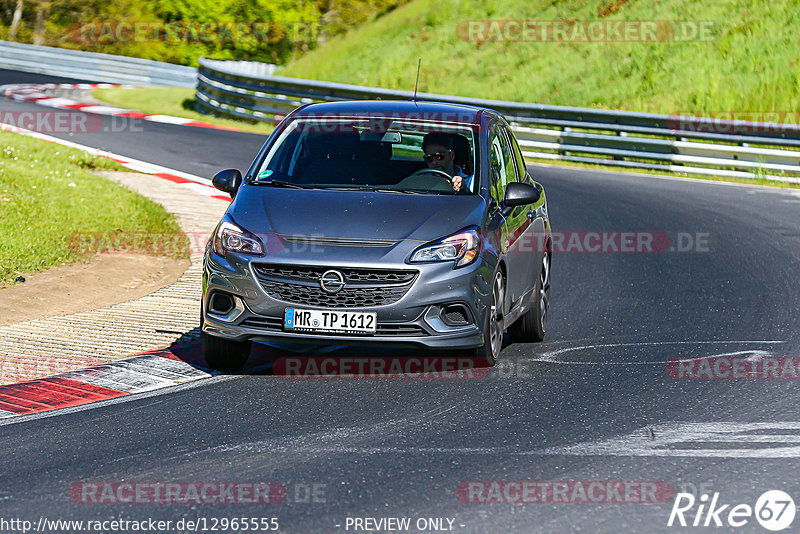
(356, 215)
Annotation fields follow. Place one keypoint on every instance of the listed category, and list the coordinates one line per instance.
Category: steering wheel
(435, 172)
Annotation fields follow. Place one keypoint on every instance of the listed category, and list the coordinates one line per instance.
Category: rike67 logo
(774, 510)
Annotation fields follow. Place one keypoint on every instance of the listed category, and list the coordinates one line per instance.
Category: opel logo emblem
(331, 281)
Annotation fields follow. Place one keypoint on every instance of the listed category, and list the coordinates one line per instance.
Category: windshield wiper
(279, 183)
(406, 191)
(347, 187)
(372, 189)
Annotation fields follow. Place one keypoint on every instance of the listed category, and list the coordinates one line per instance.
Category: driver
(440, 155)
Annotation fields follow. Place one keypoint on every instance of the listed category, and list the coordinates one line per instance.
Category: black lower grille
(268, 323)
(389, 329)
(275, 324)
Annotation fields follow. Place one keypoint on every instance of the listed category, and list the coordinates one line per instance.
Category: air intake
(221, 303)
(455, 315)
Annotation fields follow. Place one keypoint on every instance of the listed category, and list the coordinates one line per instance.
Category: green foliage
(343, 15)
(180, 31)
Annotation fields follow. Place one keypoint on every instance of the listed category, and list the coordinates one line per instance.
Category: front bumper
(415, 320)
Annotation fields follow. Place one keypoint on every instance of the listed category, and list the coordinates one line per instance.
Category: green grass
(750, 65)
(175, 101)
(48, 196)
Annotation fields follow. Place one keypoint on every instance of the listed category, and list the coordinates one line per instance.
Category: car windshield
(369, 154)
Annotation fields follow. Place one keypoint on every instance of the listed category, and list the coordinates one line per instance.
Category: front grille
(275, 324)
(311, 274)
(346, 298)
(363, 288)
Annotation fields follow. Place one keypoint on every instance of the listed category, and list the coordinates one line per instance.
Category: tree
(15, 22)
(42, 8)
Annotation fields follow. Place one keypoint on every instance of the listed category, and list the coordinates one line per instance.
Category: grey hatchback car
(385, 223)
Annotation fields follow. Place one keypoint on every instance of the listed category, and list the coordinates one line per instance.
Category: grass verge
(746, 62)
(48, 196)
(174, 101)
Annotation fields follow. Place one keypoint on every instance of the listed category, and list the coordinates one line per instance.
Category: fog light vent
(455, 315)
(221, 303)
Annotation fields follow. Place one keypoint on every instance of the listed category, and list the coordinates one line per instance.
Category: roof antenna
(419, 64)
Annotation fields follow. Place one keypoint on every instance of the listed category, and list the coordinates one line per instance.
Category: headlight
(231, 238)
(462, 247)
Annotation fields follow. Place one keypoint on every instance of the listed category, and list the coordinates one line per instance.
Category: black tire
(532, 327)
(493, 325)
(223, 354)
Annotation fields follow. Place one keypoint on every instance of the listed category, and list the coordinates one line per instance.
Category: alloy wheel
(544, 291)
(496, 327)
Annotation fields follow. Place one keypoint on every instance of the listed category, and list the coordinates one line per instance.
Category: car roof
(423, 110)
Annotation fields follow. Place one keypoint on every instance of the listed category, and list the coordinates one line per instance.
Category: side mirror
(518, 193)
(228, 181)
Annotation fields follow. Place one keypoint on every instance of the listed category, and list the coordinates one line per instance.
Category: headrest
(375, 151)
(332, 145)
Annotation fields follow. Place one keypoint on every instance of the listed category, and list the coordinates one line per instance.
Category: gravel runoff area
(171, 315)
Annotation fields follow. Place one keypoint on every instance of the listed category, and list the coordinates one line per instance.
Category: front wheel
(223, 354)
(532, 326)
(494, 324)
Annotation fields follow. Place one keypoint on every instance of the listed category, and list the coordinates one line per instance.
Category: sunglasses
(438, 156)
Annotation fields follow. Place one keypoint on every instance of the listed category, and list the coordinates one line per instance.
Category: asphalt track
(592, 403)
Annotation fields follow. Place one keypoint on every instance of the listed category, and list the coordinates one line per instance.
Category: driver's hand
(457, 182)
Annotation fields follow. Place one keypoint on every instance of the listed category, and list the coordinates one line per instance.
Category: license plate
(342, 322)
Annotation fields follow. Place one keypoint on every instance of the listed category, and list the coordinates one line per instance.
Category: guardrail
(649, 141)
(93, 66)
